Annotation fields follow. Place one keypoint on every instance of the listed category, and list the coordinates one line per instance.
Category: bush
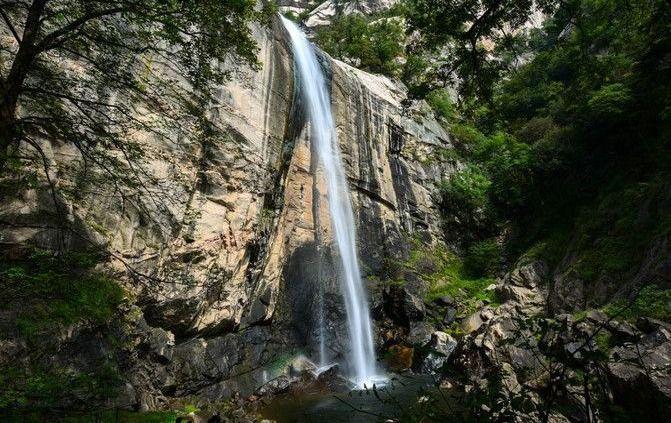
(442, 104)
(41, 295)
(651, 301)
(483, 259)
(372, 45)
(465, 206)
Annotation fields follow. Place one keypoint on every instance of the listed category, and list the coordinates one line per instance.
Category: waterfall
(323, 135)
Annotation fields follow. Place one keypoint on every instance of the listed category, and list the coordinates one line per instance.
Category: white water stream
(323, 135)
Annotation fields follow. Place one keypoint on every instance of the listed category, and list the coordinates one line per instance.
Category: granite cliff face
(224, 248)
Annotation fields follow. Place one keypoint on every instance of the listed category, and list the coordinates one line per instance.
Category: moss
(580, 315)
(49, 291)
(446, 275)
(41, 295)
(604, 342)
(651, 301)
(613, 236)
(41, 386)
(102, 416)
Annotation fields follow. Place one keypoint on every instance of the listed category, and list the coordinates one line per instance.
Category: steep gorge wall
(225, 250)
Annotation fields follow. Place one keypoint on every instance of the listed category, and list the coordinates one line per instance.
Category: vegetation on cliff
(567, 149)
(94, 73)
(47, 302)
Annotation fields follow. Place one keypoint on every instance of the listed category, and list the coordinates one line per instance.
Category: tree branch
(8, 22)
(52, 39)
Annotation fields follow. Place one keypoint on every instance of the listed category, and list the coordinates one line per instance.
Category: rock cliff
(224, 247)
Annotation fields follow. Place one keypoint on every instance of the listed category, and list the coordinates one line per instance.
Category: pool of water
(400, 397)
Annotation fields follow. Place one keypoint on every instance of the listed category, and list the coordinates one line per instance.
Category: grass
(651, 301)
(446, 275)
(48, 291)
(40, 296)
(98, 416)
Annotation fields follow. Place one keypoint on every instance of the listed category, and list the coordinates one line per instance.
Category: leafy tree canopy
(371, 43)
(94, 73)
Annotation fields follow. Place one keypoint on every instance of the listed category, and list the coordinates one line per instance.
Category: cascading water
(318, 103)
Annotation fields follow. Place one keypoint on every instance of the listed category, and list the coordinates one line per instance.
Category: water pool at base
(402, 396)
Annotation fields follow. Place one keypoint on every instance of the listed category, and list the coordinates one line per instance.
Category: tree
(371, 43)
(467, 31)
(95, 72)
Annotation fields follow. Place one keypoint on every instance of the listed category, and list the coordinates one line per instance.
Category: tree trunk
(7, 136)
(13, 85)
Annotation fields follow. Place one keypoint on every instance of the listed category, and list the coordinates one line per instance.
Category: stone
(400, 357)
(275, 386)
(301, 364)
(444, 301)
(514, 293)
(648, 324)
(640, 374)
(624, 331)
(472, 322)
(597, 316)
(509, 379)
(420, 333)
(161, 344)
(567, 292)
(450, 314)
(439, 348)
(127, 398)
(486, 314)
(414, 307)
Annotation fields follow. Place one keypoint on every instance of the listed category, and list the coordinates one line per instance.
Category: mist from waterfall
(323, 135)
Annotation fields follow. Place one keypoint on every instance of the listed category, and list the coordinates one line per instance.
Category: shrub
(41, 295)
(442, 104)
(465, 205)
(483, 258)
(372, 45)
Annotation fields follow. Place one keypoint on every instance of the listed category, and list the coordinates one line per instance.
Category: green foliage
(95, 74)
(483, 258)
(609, 102)
(465, 204)
(42, 295)
(650, 301)
(459, 32)
(51, 291)
(570, 158)
(41, 386)
(370, 43)
(611, 236)
(446, 275)
(442, 104)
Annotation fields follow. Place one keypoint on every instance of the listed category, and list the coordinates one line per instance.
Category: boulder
(420, 333)
(161, 344)
(450, 314)
(275, 386)
(624, 331)
(640, 374)
(531, 275)
(472, 323)
(440, 347)
(400, 357)
(444, 301)
(413, 307)
(597, 317)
